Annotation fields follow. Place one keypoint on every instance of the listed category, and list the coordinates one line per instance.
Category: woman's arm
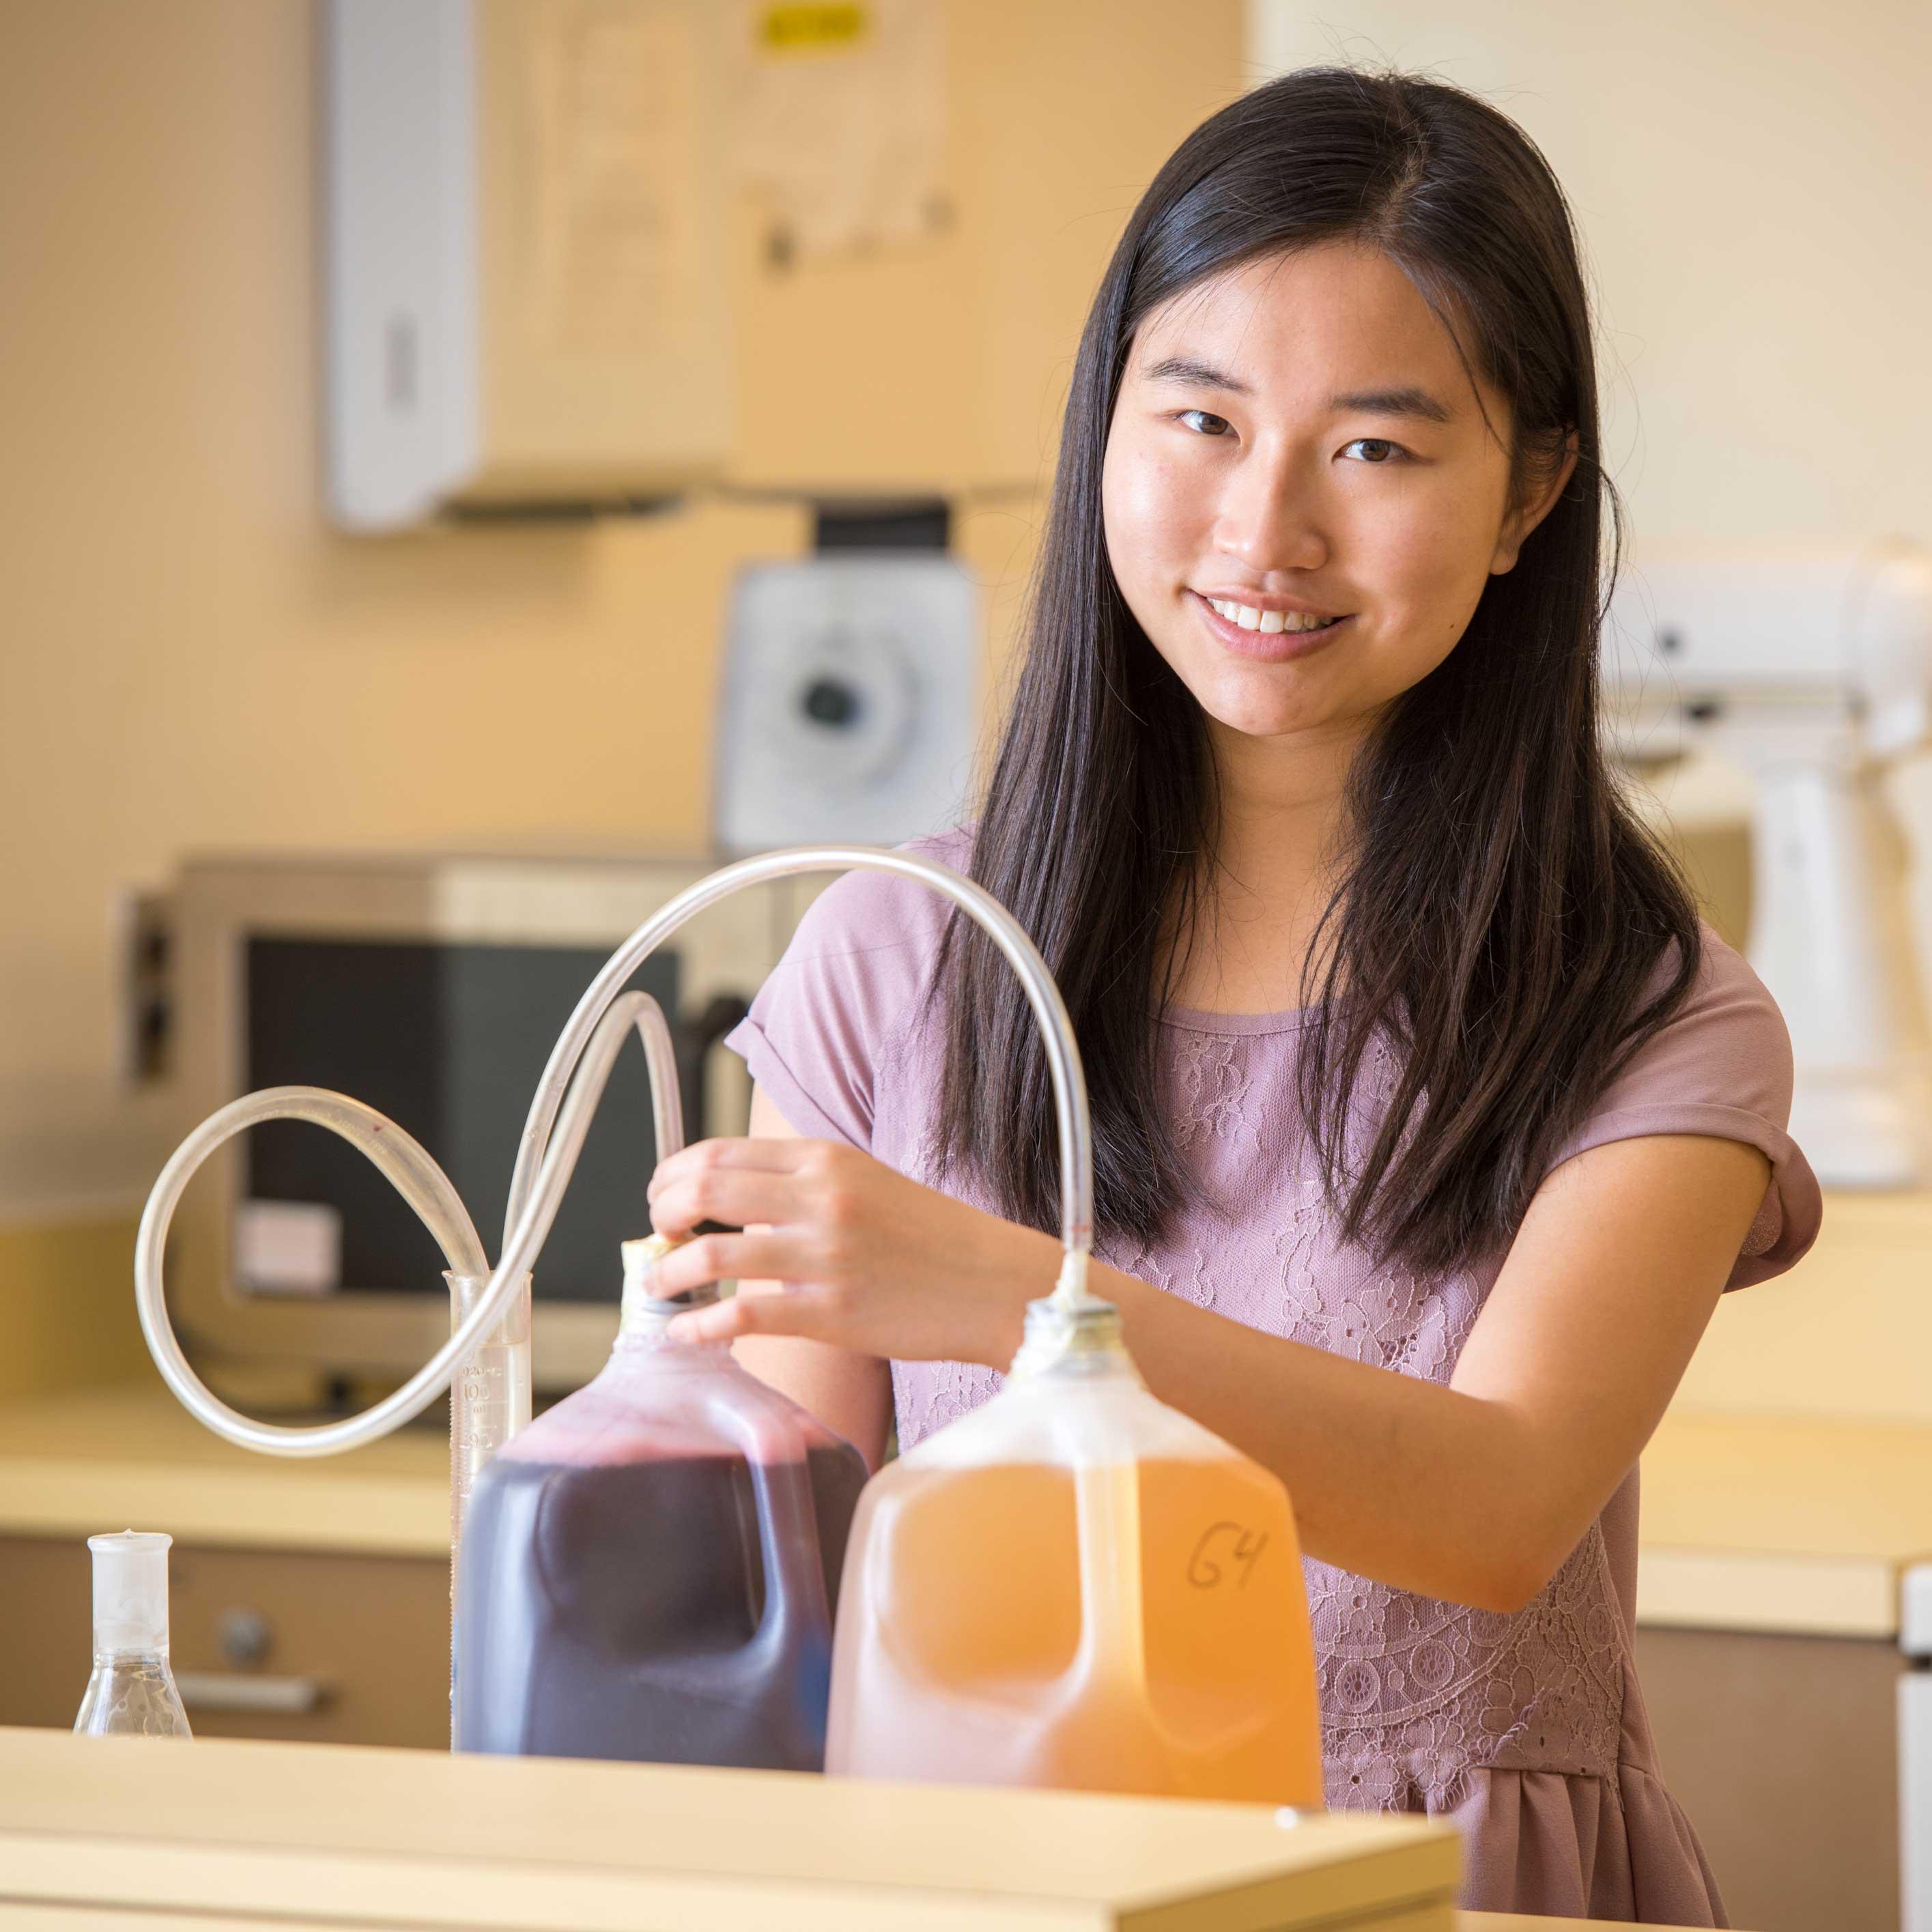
(847, 1391)
(1474, 1493)
(1477, 1492)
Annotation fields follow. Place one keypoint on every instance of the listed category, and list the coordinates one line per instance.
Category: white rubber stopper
(131, 1591)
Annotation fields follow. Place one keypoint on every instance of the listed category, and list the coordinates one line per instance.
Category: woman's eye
(1205, 423)
(1375, 449)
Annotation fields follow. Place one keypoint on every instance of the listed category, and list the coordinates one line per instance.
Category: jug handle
(787, 1539)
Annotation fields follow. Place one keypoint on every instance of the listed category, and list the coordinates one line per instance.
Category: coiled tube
(553, 1136)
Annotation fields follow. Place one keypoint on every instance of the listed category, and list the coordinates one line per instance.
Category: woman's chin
(1252, 715)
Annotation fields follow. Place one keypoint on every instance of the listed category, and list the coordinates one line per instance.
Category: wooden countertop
(1749, 1522)
(112, 1459)
(242, 1834)
(1785, 1523)
(249, 1831)
(127, 1828)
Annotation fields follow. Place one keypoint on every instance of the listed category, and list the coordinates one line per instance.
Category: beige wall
(1751, 178)
(188, 658)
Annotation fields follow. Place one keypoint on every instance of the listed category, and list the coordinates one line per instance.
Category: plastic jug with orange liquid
(650, 1568)
(1076, 1586)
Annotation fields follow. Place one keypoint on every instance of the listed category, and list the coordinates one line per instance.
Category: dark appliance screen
(449, 1041)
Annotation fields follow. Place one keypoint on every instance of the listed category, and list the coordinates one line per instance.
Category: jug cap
(643, 1307)
(1083, 1336)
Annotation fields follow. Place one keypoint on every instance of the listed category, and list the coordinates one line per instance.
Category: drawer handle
(231, 1690)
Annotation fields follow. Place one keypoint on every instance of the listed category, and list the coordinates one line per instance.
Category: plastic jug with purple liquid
(649, 1569)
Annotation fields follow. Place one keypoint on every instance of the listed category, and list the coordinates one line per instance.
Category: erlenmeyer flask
(1075, 1585)
(131, 1691)
(649, 1570)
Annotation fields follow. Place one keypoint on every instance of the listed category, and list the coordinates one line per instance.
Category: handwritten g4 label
(1226, 1550)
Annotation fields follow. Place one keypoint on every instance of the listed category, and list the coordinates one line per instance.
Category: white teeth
(1252, 619)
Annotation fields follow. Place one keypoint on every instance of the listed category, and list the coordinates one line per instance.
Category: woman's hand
(864, 1258)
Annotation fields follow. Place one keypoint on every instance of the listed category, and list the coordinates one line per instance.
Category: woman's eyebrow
(1407, 401)
(1196, 374)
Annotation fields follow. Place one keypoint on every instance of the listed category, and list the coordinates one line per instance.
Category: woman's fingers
(752, 1257)
(767, 1156)
(737, 1196)
(795, 1311)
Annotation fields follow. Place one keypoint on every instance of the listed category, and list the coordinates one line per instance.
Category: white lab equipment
(523, 268)
(1812, 671)
(851, 702)
(131, 1691)
(1914, 1749)
(485, 1363)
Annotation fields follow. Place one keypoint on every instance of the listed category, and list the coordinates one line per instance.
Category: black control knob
(830, 701)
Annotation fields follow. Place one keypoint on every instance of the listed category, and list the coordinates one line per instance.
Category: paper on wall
(839, 120)
(613, 91)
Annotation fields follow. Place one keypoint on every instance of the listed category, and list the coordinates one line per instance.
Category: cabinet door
(1784, 1752)
(308, 1646)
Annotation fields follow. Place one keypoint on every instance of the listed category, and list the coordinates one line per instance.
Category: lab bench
(1775, 1551)
(310, 1600)
(129, 1830)
(310, 1603)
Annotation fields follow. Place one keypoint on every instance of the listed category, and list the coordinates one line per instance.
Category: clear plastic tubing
(489, 1398)
(553, 1137)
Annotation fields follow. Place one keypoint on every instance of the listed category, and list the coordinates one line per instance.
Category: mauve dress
(1527, 1730)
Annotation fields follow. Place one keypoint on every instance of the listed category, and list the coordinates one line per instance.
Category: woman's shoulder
(869, 942)
(1726, 1039)
(1719, 1065)
(842, 1000)
(866, 910)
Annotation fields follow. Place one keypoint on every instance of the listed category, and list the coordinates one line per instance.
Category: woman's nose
(1268, 518)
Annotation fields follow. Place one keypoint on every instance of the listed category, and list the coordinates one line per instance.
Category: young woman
(1430, 1123)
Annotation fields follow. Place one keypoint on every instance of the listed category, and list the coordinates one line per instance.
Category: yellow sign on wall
(831, 26)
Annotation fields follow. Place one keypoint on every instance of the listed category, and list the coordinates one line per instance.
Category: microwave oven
(433, 987)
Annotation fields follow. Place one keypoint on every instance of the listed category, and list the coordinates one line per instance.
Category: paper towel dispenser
(524, 260)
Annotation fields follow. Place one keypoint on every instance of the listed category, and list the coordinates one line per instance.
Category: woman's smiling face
(1298, 435)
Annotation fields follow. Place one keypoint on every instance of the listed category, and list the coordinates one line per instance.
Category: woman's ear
(1536, 505)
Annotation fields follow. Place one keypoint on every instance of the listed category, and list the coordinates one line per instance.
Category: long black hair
(1504, 924)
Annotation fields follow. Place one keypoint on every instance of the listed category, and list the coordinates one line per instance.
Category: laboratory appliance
(524, 266)
(1811, 671)
(1914, 1749)
(432, 986)
(1134, 1686)
(851, 705)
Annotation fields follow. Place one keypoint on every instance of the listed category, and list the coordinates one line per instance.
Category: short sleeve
(851, 984)
(1721, 1066)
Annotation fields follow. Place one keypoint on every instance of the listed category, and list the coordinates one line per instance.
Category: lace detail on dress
(1214, 1088)
(1184, 1272)
(1378, 1312)
(1416, 1693)
(927, 1396)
